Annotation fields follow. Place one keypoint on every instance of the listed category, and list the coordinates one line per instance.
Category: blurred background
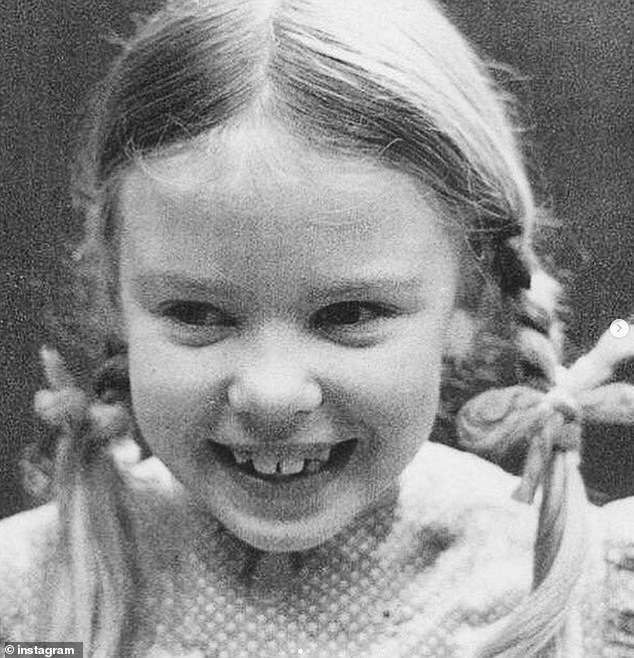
(574, 60)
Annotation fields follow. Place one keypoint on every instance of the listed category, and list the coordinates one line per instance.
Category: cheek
(164, 368)
(170, 391)
(396, 400)
(157, 400)
(404, 375)
(396, 389)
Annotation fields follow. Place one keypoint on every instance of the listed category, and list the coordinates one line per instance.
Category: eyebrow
(373, 278)
(319, 287)
(180, 282)
(363, 284)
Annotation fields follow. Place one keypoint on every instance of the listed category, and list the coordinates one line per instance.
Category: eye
(194, 323)
(352, 321)
(194, 314)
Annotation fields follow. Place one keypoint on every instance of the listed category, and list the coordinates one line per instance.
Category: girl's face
(285, 315)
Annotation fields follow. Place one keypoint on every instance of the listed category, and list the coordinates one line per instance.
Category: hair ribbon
(544, 422)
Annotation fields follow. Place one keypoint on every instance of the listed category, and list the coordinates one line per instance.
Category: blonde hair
(388, 79)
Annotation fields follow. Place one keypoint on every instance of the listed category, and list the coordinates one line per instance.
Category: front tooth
(312, 465)
(291, 465)
(241, 456)
(265, 463)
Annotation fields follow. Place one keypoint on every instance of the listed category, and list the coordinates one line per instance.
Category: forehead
(258, 202)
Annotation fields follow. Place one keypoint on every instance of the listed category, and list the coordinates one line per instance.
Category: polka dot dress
(346, 598)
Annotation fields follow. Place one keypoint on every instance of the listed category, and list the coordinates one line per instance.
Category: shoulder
(459, 488)
(167, 521)
(443, 466)
(611, 533)
(618, 529)
(26, 537)
(617, 521)
(606, 592)
(471, 501)
(27, 540)
(463, 506)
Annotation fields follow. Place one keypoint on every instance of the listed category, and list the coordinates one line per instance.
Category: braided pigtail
(94, 575)
(544, 420)
(537, 627)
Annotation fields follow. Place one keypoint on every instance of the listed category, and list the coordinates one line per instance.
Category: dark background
(576, 61)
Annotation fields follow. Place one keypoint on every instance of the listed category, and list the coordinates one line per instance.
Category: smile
(285, 462)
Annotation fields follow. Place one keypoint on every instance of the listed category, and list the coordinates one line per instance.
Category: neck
(214, 546)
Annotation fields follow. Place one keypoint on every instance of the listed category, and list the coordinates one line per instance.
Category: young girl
(308, 243)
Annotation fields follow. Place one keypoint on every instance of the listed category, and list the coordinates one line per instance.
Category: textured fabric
(427, 575)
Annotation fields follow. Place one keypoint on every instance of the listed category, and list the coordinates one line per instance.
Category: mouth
(285, 463)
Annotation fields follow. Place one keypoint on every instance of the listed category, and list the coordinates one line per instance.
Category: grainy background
(576, 61)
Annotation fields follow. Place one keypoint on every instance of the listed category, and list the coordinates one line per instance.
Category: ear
(459, 338)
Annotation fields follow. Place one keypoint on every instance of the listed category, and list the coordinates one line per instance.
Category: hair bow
(547, 421)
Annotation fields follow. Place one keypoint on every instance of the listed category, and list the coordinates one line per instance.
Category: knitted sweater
(432, 574)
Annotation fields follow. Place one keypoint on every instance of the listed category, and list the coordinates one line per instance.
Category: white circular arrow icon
(619, 328)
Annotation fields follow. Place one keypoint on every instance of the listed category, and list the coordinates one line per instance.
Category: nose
(273, 391)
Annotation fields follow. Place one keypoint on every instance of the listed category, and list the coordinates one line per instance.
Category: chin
(277, 536)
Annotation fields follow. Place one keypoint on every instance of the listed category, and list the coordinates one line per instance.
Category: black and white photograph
(317, 329)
